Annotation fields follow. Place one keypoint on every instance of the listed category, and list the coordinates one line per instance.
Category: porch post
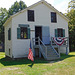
(51, 41)
(38, 41)
(46, 51)
(32, 42)
(34, 53)
(39, 45)
(59, 50)
(67, 46)
(39, 54)
(66, 51)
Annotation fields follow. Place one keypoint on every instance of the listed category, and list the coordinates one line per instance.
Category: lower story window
(23, 33)
(59, 32)
(9, 34)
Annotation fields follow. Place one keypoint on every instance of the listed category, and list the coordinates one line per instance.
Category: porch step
(52, 58)
(51, 54)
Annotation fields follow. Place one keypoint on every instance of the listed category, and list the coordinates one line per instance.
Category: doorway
(38, 33)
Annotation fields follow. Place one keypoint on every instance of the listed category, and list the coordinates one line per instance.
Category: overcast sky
(60, 5)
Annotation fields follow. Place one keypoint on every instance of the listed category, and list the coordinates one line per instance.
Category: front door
(38, 33)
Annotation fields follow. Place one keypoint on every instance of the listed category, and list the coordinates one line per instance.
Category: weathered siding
(8, 43)
(42, 18)
(20, 46)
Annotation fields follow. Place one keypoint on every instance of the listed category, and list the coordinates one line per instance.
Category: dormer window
(53, 17)
(31, 15)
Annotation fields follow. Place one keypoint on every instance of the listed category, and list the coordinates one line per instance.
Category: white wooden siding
(8, 43)
(42, 13)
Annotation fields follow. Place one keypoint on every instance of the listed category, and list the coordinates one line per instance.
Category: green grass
(64, 66)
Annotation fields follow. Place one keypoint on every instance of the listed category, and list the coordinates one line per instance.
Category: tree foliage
(5, 14)
(16, 7)
(3, 18)
(71, 16)
(71, 4)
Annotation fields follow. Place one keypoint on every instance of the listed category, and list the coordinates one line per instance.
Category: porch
(49, 51)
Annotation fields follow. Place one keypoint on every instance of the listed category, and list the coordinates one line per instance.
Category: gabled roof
(42, 1)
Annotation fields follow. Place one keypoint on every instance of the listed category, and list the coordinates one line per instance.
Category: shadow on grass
(31, 65)
(10, 62)
(64, 56)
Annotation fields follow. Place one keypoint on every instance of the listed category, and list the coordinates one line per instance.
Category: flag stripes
(58, 41)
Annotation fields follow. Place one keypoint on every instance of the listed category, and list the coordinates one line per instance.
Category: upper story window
(53, 17)
(31, 15)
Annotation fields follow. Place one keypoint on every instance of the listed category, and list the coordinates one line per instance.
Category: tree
(22, 5)
(71, 4)
(4, 15)
(71, 16)
(3, 18)
(16, 7)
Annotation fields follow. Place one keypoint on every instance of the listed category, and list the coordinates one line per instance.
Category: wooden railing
(66, 42)
(34, 41)
(41, 45)
(54, 44)
(56, 51)
(33, 44)
(43, 48)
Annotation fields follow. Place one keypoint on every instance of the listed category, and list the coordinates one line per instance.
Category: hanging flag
(58, 41)
(30, 55)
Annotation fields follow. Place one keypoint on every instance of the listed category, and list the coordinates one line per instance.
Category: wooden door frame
(41, 30)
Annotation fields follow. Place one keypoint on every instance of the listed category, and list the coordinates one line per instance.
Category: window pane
(23, 33)
(9, 34)
(30, 15)
(53, 17)
(60, 32)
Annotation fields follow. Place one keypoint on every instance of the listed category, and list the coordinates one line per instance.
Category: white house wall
(8, 44)
(42, 18)
(61, 23)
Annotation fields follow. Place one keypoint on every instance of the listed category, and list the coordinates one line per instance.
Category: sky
(60, 5)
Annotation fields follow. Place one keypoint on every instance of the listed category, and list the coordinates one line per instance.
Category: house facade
(39, 20)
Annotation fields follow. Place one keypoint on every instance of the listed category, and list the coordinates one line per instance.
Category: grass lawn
(64, 66)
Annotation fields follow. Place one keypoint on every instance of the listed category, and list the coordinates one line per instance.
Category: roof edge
(61, 14)
(21, 12)
(7, 20)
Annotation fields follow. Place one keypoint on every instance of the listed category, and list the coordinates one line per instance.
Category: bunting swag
(59, 41)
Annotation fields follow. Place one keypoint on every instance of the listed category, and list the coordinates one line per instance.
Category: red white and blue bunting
(58, 41)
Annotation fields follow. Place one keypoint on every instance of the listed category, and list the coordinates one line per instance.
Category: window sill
(53, 22)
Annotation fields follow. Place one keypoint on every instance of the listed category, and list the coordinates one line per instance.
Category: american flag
(30, 55)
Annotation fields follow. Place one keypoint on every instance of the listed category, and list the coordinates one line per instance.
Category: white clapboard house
(39, 23)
